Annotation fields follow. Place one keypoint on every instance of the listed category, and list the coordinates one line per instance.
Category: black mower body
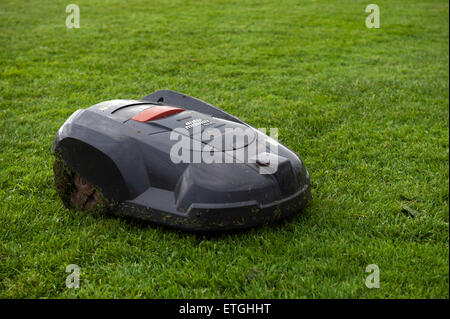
(126, 156)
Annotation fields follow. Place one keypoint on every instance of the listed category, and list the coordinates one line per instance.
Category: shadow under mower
(117, 156)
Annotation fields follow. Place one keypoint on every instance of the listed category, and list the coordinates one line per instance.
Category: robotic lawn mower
(123, 156)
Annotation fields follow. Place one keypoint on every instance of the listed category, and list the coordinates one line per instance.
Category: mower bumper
(217, 217)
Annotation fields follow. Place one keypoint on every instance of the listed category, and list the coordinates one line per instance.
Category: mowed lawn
(366, 109)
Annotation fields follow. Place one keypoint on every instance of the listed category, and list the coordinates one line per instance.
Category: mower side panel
(100, 150)
(105, 176)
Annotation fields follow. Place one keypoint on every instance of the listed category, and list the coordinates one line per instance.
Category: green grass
(366, 109)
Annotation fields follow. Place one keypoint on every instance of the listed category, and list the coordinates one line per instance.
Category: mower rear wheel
(75, 191)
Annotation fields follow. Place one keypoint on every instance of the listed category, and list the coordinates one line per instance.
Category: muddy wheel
(76, 192)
